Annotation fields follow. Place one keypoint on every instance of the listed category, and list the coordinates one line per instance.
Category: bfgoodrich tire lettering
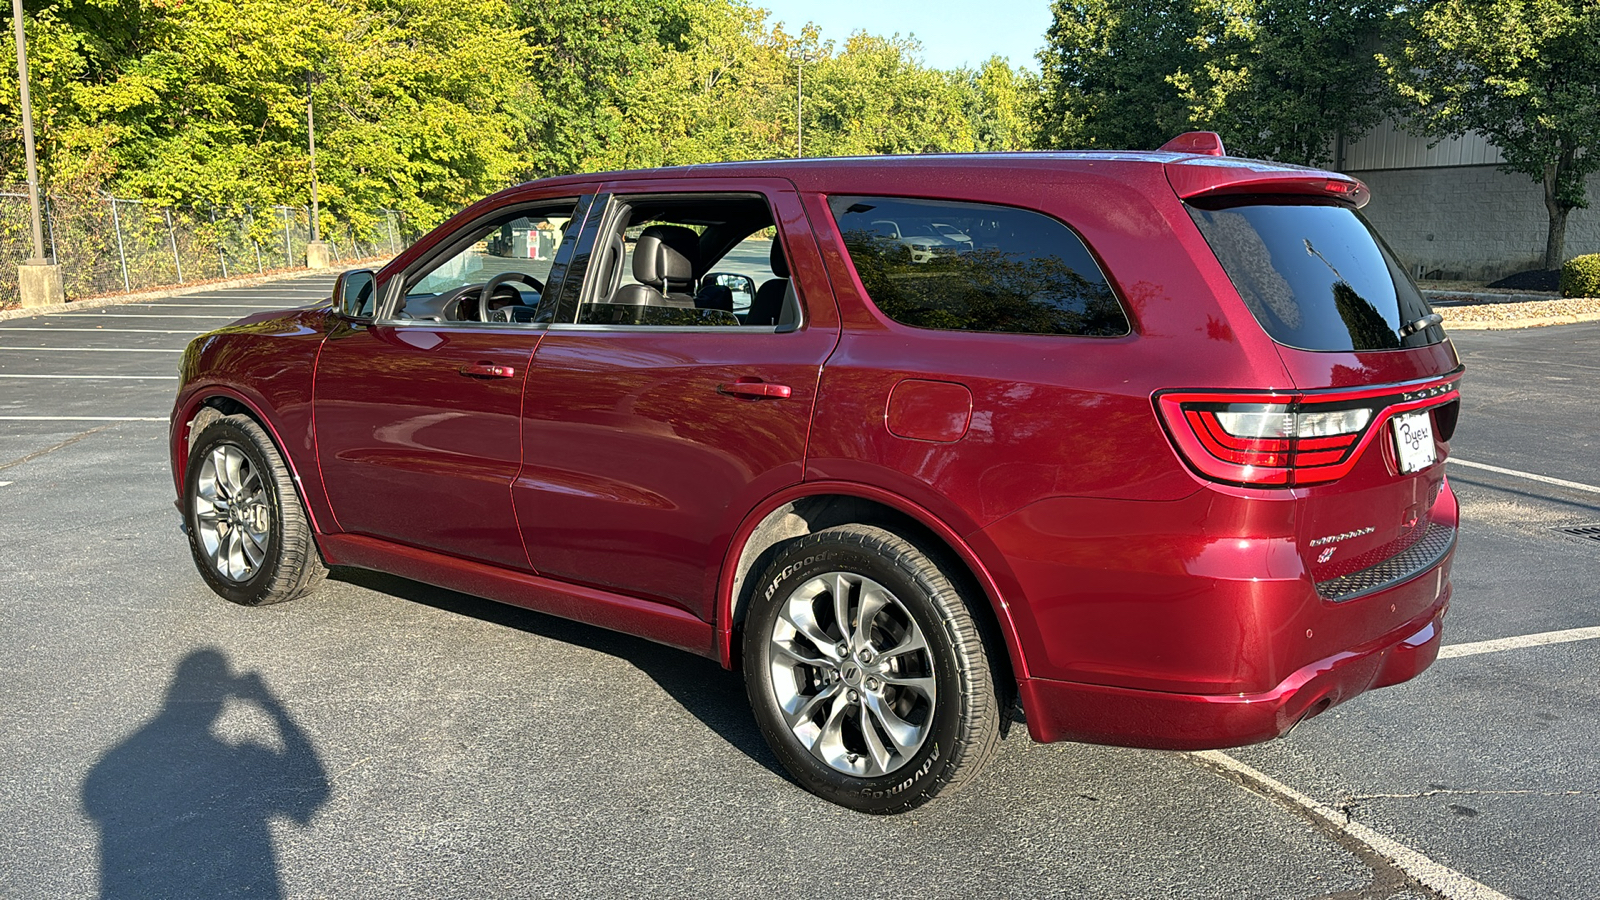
(248, 532)
(867, 673)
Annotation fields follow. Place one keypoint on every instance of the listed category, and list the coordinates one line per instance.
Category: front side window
(497, 276)
(975, 267)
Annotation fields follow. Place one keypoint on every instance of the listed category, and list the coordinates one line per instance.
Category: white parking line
(84, 315)
(5, 328)
(1446, 881)
(83, 418)
(213, 305)
(92, 349)
(1516, 643)
(1531, 476)
(99, 377)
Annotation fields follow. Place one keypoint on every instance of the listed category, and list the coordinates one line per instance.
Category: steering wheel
(486, 296)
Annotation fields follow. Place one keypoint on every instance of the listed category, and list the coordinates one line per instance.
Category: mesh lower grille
(1417, 558)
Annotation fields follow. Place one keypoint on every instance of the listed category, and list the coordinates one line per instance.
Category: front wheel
(248, 533)
(867, 673)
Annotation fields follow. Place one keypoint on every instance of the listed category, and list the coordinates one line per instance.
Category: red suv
(1149, 444)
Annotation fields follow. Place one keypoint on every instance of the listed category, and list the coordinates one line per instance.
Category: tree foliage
(423, 105)
(1105, 69)
(1526, 75)
(1282, 79)
(1278, 79)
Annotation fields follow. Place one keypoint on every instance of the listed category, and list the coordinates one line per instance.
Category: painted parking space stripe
(1447, 882)
(211, 305)
(1450, 651)
(5, 328)
(83, 418)
(1531, 476)
(95, 349)
(85, 315)
(98, 377)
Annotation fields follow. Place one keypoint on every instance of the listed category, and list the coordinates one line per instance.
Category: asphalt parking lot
(388, 739)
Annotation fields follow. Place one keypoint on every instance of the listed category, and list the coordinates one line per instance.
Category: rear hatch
(1365, 430)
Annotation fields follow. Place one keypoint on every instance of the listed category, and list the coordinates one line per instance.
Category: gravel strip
(1521, 315)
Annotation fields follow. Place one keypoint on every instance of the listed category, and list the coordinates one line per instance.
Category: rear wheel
(248, 532)
(867, 673)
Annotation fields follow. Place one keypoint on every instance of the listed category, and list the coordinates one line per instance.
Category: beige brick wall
(1471, 222)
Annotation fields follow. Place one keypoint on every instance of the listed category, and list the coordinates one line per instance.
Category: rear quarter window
(976, 267)
(1316, 277)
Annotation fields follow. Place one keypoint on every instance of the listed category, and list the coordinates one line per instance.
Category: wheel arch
(227, 401)
(814, 506)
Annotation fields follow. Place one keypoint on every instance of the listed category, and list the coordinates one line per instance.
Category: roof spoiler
(1207, 143)
(1194, 179)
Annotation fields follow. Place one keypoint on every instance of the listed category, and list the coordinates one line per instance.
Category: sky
(953, 32)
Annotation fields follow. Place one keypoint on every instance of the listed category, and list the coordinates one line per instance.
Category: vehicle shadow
(707, 691)
(183, 812)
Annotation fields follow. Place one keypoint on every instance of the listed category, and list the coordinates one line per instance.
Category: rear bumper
(1070, 711)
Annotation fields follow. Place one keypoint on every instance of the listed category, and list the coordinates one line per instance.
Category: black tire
(283, 562)
(960, 725)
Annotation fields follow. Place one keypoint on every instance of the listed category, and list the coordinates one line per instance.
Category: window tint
(1316, 277)
(972, 267)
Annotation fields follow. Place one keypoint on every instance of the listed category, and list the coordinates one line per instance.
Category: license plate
(1413, 441)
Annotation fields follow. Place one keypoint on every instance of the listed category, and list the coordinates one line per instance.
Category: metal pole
(288, 249)
(173, 237)
(222, 251)
(116, 225)
(311, 133)
(250, 225)
(50, 225)
(799, 100)
(27, 136)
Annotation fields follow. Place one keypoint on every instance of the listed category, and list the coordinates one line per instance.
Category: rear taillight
(1284, 439)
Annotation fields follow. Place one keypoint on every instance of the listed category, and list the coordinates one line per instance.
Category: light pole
(316, 251)
(38, 279)
(801, 56)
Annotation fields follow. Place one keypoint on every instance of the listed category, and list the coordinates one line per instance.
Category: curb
(1530, 322)
(1485, 298)
(176, 290)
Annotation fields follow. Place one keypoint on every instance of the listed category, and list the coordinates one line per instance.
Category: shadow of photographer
(183, 812)
(710, 693)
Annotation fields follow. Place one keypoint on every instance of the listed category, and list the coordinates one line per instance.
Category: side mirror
(743, 288)
(355, 295)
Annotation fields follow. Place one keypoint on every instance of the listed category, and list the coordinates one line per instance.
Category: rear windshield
(1317, 277)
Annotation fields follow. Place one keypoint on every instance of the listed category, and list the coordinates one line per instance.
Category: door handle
(487, 370)
(754, 389)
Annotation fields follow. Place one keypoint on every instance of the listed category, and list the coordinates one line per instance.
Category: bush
(1580, 277)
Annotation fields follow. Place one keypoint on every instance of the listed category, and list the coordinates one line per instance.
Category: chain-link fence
(106, 244)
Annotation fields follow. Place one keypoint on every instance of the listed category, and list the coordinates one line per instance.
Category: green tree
(1282, 79)
(204, 101)
(1523, 73)
(877, 97)
(998, 101)
(584, 59)
(1105, 73)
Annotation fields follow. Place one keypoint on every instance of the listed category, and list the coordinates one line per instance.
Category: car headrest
(665, 253)
(778, 262)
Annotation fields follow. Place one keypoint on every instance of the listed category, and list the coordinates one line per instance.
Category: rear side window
(973, 267)
(1316, 277)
